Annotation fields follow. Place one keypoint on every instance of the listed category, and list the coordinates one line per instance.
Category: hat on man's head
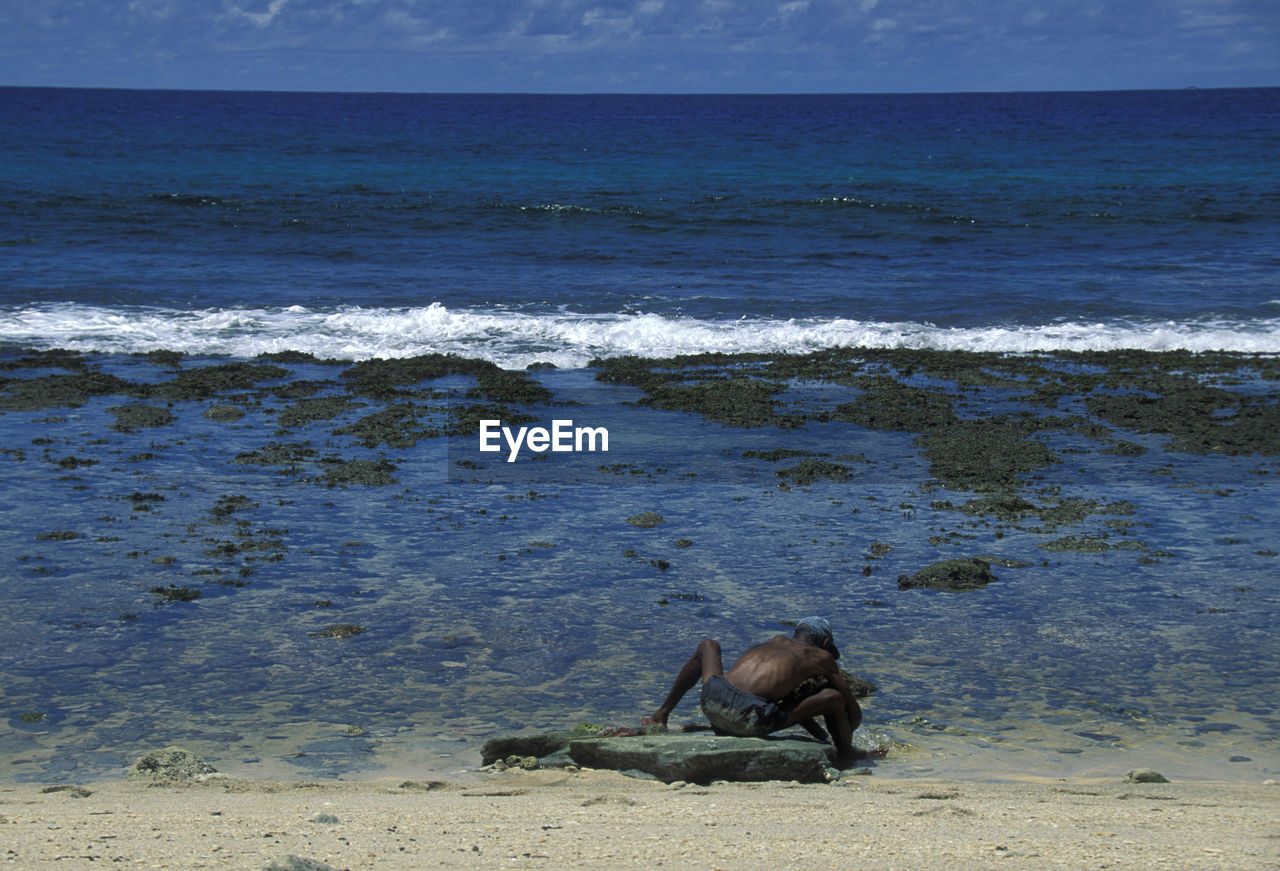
(819, 628)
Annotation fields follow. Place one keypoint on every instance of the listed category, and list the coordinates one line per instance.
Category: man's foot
(845, 761)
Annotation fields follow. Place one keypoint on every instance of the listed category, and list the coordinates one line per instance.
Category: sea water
(500, 596)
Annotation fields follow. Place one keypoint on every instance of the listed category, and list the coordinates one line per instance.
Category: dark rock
(339, 630)
(60, 391)
(205, 382)
(504, 386)
(309, 410)
(174, 593)
(538, 745)
(775, 455)
(736, 401)
(370, 473)
(297, 357)
(646, 520)
(891, 405)
(224, 413)
(1078, 544)
(1004, 561)
(130, 418)
(984, 455)
(276, 454)
(1009, 508)
(396, 426)
(808, 471)
(704, 758)
(952, 575)
(164, 357)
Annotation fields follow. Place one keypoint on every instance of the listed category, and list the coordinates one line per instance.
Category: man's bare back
(773, 669)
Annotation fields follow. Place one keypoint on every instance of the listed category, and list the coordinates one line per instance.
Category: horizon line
(978, 92)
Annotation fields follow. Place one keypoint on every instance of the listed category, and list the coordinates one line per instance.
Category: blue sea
(559, 232)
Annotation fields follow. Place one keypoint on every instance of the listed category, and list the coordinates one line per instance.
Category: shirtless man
(748, 699)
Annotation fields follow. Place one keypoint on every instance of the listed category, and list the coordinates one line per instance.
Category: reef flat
(310, 563)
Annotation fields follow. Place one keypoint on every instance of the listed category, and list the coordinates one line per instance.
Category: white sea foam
(569, 339)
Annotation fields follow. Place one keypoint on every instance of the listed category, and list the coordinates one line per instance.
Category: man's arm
(704, 663)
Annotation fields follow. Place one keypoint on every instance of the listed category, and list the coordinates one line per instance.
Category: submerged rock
(131, 418)
(339, 630)
(224, 413)
(646, 520)
(734, 401)
(806, 472)
(952, 575)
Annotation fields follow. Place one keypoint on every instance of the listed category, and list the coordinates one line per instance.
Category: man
(751, 699)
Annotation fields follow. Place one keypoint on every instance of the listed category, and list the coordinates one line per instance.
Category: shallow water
(511, 596)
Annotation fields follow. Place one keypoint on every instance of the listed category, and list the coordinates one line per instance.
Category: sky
(654, 46)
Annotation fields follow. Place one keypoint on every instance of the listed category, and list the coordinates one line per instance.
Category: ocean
(248, 340)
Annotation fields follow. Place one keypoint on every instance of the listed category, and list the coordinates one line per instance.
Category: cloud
(644, 44)
(260, 19)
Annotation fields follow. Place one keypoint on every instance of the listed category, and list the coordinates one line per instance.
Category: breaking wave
(569, 339)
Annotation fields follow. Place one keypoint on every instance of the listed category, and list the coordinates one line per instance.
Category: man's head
(817, 631)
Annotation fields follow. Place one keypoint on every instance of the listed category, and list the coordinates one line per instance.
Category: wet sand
(571, 819)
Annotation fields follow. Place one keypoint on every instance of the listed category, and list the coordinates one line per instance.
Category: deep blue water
(501, 223)
(547, 228)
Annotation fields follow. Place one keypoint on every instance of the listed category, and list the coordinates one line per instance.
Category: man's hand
(659, 718)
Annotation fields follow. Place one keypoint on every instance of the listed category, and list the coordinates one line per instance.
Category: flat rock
(704, 758)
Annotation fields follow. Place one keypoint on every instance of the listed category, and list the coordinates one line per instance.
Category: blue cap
(821, 629)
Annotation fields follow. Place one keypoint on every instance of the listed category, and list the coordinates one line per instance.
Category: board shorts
(733, 712)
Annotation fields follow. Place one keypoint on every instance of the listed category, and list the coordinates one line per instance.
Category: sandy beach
(591, 819)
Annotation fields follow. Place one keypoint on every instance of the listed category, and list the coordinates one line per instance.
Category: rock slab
(671, 756)
(704, 758)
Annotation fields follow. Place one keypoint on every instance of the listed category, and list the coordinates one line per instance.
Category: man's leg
(840, 720)
(704, 663)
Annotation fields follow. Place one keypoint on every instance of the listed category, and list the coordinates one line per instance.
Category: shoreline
(566, 819)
